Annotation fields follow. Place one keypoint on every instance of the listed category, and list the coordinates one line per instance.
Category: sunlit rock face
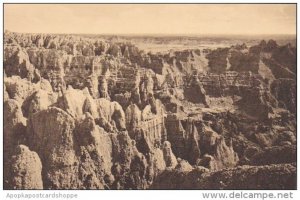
(98, 113)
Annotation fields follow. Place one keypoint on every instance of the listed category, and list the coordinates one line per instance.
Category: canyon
(84, 112)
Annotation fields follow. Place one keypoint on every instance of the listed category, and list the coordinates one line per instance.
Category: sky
(177, 19)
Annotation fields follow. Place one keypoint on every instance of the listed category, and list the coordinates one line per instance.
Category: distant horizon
(156, 34)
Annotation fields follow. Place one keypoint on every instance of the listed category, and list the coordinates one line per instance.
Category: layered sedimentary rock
(94, 113)
(204, 147)
(146, 127)
(284, 90)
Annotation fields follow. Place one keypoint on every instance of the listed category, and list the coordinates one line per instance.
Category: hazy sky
(152, 18)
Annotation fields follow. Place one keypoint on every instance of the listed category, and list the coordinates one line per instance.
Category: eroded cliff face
(82, 113)
(284, 90)
(82, 142)
(25, 170)
(199, 144)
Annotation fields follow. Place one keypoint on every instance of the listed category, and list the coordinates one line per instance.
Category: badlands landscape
(95, 112)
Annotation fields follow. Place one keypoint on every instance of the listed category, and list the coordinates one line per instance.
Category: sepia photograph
(149, 96)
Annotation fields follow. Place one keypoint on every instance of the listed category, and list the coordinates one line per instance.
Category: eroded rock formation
(93, 113)
(25, 171)
(282, 176)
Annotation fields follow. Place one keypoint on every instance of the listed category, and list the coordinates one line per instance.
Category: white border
(137, 194)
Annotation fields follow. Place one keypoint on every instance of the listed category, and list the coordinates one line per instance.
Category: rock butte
(91, 113)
